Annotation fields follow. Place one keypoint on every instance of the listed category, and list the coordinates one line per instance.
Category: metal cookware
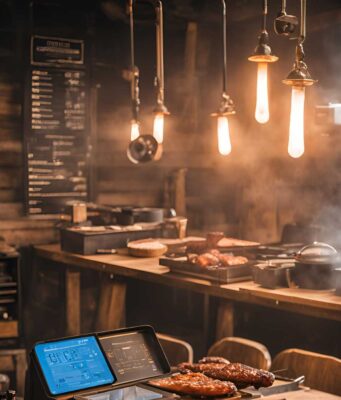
(314, 266)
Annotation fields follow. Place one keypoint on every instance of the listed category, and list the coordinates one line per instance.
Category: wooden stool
(14, 360)
(176, 350)
(322, 372)
(245, 351)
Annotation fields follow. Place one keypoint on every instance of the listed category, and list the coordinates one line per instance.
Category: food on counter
(232, 242)
(126, 228)
(146, 248)
(216, 360)
(195, 384)
(216, 259)
(241, 375)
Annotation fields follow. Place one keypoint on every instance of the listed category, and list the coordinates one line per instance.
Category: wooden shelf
(9, 329)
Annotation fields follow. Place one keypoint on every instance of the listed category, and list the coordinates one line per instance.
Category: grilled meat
(206, 260)
(241, 375)
(214, 360)
(195, 384)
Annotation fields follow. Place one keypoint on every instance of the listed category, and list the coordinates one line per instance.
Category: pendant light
(135, 98)
(226, 106)
(298, 79)
(262, 56)
(160, 109)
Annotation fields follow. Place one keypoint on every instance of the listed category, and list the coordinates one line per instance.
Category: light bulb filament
(224, 142)
(158, 127)
(296, 130)
(262, 102)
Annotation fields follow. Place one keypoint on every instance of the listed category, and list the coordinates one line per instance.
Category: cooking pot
(314, 266)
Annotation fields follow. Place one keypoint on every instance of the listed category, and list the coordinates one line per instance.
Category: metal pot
(314, 266)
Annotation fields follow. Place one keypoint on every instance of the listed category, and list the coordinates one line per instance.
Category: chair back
(176, 350)
(245, 351)
(322, 372)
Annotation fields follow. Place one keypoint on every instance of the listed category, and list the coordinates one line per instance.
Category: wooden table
(322, 304)
(306, 394)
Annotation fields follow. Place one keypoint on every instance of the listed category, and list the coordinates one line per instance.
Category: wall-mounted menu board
(56, 126)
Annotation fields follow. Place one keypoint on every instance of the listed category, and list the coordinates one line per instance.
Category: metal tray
(231, 274)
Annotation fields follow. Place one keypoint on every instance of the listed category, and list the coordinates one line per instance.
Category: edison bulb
(158, 127)
(224, 142)
(296, 130)
(135, 130)
(262, 103)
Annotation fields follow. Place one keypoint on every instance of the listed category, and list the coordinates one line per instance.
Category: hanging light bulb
(262, 104)
(226, 106)
(224, 141)
(296, 130)
(262, 56)
(135, 130)
(298, 79)
(160, 108)
(158, 127)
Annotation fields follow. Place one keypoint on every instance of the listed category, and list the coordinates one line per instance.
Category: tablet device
(74, 364)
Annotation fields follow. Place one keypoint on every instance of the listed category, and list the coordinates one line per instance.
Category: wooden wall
(253, 192)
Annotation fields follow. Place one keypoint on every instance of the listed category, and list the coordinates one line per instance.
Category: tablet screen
(74, 364)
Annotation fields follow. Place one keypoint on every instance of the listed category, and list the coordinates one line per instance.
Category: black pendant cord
(159, 79)
(265, 13)
(224, 49)
(302, 36)
(134, 70)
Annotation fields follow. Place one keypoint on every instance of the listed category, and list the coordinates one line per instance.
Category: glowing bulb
(158, 127)
(135, 130)
(262, 103)
(296, 131)
(224, 142)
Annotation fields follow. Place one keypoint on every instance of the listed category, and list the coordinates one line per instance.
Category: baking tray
(86, 243)
(231, 274)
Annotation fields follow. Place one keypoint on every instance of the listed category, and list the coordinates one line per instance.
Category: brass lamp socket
(226, 107)
(161, 109)
(299, 77)
(262, 52)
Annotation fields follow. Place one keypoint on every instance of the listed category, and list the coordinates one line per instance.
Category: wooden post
(72, 289)
(225, 319)
(111, 303)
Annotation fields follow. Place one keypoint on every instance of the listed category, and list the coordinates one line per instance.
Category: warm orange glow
(296, 130)
(158, 127)
(262, 104)
(135, 130)
(224, 142)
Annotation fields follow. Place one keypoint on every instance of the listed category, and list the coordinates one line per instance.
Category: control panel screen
(73, 364)
(131, 356)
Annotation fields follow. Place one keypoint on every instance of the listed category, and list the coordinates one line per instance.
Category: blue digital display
(73, 364)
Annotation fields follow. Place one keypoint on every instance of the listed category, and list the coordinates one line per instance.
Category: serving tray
(230, 274)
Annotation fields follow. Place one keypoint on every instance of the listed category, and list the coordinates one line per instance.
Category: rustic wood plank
(73, 307)
(8, 329)
(111, 303)
(225, 320)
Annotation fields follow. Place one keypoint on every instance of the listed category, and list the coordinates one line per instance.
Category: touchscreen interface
(131, 355)
(73, 364)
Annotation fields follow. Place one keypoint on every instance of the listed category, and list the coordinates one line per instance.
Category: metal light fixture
(226, 106)
(298, 79)
(160, 109)
(262, 56)
(135, 76)
(144, 148)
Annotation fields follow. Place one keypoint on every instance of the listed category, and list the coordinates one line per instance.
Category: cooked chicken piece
(195, 384)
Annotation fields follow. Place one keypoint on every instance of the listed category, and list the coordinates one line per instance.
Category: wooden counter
(322, 304)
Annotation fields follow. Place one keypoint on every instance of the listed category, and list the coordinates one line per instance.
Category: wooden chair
(322, 372)
(245, 351)
(176, 350)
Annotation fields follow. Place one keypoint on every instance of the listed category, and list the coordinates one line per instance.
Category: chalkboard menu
(56, 126)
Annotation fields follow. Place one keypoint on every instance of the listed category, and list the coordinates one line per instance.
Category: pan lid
(317, 253)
